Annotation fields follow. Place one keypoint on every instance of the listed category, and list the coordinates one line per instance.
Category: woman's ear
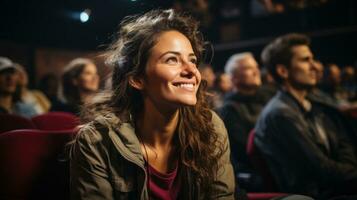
(282, 71)
(136, 82)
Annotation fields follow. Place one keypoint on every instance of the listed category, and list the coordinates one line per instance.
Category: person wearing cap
(10, 102)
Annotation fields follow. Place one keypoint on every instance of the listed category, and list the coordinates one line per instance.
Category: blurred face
(225, 83)
(8, 81)
(208, 75)
(171, 77)
(349, 71)
(335, 74)
(88, 80)
(247, 74)
(303, 71)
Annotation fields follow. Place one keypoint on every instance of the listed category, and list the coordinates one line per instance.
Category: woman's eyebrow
(170, 52)
(176, 53)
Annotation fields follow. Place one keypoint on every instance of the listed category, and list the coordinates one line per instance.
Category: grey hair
(231, 64)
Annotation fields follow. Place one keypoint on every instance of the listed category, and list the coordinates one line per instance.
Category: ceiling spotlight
(84, 16)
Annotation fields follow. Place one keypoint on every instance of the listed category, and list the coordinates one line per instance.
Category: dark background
(37, 24)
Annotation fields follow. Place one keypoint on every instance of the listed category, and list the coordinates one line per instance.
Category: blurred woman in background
(80, 81)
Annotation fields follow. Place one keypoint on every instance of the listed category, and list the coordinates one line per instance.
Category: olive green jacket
(107, 163)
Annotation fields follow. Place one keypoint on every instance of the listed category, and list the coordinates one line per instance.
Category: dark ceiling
(49, 22)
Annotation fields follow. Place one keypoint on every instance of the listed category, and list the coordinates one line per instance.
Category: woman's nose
(189, 68)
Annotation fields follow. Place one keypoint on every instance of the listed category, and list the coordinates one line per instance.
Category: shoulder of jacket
(96, 130)
(218, 124)
(89, 133)
(215, 117)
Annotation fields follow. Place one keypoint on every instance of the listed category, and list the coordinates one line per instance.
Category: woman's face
(88, 80)
(171, 77)
(225, 84)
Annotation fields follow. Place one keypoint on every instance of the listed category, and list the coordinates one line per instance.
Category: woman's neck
(157, 128)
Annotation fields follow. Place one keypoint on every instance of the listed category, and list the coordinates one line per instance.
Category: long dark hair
(198, 143)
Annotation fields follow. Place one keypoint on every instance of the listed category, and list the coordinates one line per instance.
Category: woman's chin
(188, 102)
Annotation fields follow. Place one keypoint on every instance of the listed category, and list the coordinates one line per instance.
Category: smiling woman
(151, 135)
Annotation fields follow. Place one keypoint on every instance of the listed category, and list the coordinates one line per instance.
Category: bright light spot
(84, 16)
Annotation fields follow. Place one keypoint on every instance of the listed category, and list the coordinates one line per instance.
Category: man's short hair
(279, 52)
(231, 64)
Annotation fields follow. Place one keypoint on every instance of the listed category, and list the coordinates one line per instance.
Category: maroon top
(164, 186)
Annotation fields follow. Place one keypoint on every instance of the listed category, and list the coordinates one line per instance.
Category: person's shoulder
(89, 133)
(277, 106)
(230, 103)
(215, 117)
(217, 122)
(39, 94)
(96, 130)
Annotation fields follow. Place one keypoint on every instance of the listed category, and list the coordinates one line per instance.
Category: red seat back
(260, 164)
(9, 122)
(265, 196)
(31, 164)
(56, 121)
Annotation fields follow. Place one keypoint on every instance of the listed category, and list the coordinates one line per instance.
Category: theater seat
(265, 196)
(33, 164)
(9, 122)
(260, 164)
(56, 121)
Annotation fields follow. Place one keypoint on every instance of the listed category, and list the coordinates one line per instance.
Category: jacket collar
(124, 138)
(291, 100)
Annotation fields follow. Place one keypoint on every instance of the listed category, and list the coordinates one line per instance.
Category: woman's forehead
(172, 41)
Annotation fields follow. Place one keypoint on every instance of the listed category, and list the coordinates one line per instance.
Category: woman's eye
(172, 60)
(194, 61)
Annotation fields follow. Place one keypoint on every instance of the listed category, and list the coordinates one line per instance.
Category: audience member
(151, 136)
(320, 71)
(35, 98)
(223, 83)
(209, 77)
(349, 83)
(10, 101)
(316, 92)
(332, 84)
(80, 81)
(242, 106)
(303, 140)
